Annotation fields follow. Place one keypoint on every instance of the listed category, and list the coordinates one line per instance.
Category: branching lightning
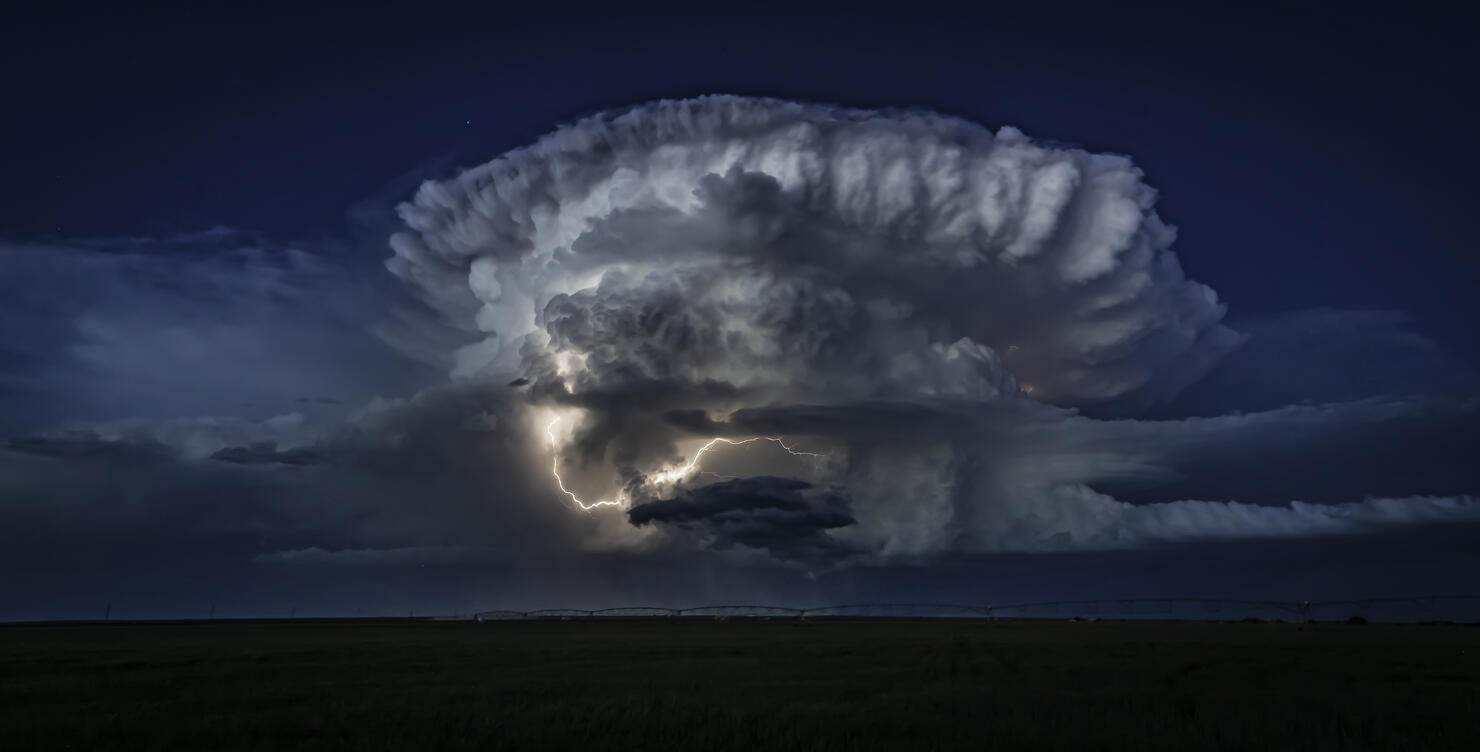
(671, 475)
(679, 473)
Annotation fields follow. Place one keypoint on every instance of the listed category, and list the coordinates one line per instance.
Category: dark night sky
(1310, 159)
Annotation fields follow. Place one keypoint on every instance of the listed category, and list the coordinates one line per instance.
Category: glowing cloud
(668, 476)
(938, 304)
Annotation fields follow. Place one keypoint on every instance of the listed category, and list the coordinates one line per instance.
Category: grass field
(739, 685)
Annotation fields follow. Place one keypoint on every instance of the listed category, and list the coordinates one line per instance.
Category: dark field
(739, 685)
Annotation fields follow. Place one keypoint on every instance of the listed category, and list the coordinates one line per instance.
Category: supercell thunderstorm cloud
(705, 349)
(919, 316)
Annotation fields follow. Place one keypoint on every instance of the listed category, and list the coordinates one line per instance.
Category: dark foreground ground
(739, 685)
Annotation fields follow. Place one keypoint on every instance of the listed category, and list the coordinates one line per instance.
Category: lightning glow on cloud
(669, 476)
(555, 471)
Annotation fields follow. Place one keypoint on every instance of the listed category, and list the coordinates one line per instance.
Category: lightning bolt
(555, 470)
(672, 475)
(679, 473)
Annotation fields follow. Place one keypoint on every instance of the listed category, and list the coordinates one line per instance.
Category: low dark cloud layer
(785, 516)
(266, 453)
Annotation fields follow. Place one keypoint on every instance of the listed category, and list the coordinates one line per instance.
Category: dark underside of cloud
(785, 516)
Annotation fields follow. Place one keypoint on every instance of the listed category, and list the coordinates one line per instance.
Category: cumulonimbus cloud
(909, 292)
(823, 334)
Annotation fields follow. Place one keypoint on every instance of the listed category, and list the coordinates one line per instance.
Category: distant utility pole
(108, 612)
(213, 612)
(293, 612)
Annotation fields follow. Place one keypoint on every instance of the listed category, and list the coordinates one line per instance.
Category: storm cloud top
(814, 250)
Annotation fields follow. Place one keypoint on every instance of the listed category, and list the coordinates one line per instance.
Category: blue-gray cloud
(219, 323)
